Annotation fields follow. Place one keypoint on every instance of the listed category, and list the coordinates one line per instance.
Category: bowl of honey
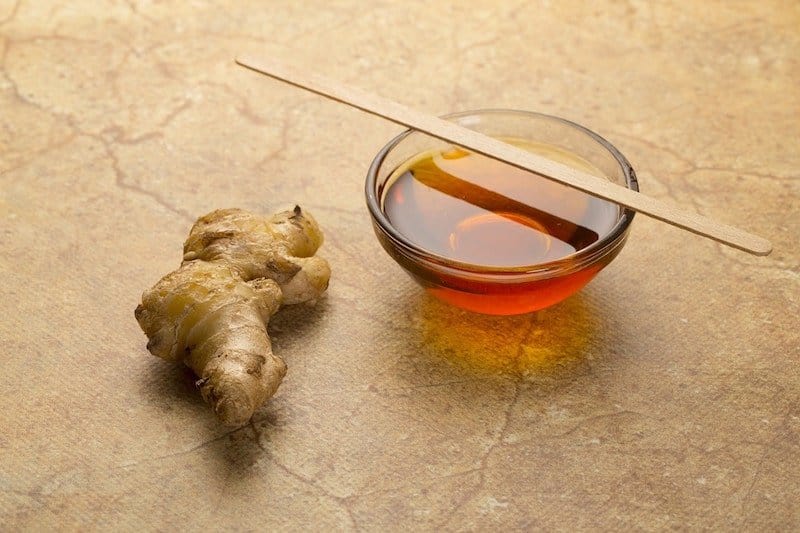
(489, 237)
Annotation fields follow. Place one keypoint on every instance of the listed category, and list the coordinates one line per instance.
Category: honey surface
(470, 208)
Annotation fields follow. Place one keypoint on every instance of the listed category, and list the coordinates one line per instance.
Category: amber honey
(485, 216)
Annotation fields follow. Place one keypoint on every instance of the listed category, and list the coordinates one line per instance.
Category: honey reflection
(553, 340)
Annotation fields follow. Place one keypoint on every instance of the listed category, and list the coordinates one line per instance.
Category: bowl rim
(574, 261)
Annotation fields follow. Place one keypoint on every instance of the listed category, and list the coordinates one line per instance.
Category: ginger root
(211, 313)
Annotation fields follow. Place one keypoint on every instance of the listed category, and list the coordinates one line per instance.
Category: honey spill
(469, 208)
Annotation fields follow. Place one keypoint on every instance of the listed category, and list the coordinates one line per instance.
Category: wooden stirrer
(495, 149)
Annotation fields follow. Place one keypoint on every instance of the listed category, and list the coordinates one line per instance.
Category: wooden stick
(509, 154)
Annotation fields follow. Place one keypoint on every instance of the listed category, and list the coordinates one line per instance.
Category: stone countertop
(665, 395)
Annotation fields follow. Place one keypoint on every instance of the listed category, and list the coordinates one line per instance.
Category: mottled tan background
(665, 395)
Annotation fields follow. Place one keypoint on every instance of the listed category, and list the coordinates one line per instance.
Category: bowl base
(517, 300)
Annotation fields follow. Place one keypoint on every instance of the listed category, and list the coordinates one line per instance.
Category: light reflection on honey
(551, 341)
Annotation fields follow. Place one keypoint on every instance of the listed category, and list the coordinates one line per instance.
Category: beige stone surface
(665, 395)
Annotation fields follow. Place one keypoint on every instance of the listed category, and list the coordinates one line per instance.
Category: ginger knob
(212, 312)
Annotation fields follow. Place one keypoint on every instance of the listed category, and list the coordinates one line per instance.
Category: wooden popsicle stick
(495, 149)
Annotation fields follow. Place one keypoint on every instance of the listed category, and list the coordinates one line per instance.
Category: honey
(489, 216)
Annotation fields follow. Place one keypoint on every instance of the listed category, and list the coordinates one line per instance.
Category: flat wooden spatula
(479, 143)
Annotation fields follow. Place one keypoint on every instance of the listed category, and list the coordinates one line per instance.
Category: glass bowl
(486, 288)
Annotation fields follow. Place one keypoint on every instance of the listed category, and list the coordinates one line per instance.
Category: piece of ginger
(211, 313)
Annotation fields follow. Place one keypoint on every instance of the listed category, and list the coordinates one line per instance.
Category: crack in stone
(120, 178)
(283, 135)
(430, 385)
(588, 420)
(759, 263)
(12, 14)
(120, 175)
(740, 172)
(483, 463)
(498, 441)
(654, 146)
(397, 488)
(341, 501)
(179, 453)
(31, 157)
(199, 446)
(34, 494)
(15, 87)
(781, 433)
(373, 389)
(133, 6)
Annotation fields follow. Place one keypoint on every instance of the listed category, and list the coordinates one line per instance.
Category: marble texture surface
(666, 395)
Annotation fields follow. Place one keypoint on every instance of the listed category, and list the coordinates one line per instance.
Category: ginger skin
(211, 313)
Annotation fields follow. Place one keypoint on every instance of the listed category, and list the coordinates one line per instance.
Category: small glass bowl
(493, 290)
